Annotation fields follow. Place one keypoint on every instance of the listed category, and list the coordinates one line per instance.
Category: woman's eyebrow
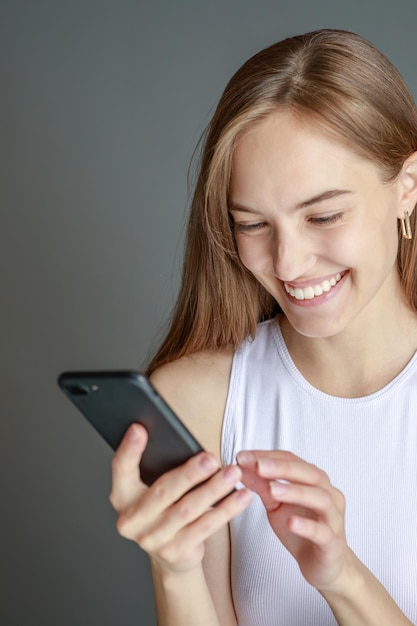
(240, 208)
(321, 197)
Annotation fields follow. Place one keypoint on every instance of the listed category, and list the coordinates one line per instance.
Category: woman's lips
(315, 290)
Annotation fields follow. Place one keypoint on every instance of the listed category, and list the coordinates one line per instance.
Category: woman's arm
(209, 587)
(177, 527)
(361, 599)
(172, 520)
(184, 599)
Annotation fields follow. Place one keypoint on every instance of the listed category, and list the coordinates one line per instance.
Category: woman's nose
(293, 258)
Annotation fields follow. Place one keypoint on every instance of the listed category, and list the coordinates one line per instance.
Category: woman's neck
(361, 359)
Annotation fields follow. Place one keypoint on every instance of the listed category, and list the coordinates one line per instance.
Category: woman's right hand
(167, 520)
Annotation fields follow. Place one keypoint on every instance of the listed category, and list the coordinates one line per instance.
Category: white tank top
(368, 448)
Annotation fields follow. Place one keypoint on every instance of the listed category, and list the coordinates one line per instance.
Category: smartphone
(112, 401)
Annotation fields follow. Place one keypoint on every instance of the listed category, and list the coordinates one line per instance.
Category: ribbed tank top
(368, 448)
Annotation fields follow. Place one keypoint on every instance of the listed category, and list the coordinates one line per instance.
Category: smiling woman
(300, 238)
(305, 201)
(345, 87)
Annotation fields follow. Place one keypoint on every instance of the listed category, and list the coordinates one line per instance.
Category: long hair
(349, 90)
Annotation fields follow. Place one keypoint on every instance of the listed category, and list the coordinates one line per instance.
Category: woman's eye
(248, 228)
(325, 220)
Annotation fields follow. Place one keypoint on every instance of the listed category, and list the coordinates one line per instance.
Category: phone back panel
(111, 401)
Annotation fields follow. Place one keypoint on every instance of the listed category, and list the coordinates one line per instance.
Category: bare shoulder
(196, 387)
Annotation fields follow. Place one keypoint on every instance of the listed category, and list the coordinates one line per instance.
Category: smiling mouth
(313, 291)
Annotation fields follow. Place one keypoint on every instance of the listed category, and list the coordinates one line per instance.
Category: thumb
(126, 483)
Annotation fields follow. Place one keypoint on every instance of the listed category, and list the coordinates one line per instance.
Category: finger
(282, 465)
(251, 478)
(172, 485)
(173, 547)
(126, 485)
(292, 470)
(319, 501)
(317, 532)
(261, 486)
(249, 458)
(219, 516)
(192, 506)
(158, 503)
(286, 466)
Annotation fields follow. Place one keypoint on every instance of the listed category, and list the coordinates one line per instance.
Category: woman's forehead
(282, 144)
(286, 153)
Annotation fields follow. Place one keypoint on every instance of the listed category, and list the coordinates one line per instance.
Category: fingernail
(133, 434)
(244, 458)
(297, 523)
(265, 466)
(278, 489)
(208, 463)
(231, 474)
(244, 495)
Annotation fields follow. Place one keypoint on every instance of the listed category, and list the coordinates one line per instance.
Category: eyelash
(327, 219)
(246, 228)
(318, 221)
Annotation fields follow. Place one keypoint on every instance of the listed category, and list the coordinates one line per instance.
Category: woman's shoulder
(196, 387)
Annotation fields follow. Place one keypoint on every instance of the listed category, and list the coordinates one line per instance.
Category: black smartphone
(112, 401)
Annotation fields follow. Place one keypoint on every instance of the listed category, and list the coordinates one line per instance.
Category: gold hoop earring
(406, 226)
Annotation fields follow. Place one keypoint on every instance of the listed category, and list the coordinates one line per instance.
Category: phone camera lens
(78, 390)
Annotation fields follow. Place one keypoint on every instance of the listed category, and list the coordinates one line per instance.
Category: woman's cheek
(254, 256)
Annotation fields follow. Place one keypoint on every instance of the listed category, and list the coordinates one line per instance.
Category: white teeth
(308, 293)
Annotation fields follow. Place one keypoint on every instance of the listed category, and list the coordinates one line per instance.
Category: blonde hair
(348, 89)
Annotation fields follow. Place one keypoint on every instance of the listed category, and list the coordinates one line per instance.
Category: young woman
(305, 200)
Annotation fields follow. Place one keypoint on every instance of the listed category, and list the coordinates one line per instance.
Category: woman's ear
(408, 186)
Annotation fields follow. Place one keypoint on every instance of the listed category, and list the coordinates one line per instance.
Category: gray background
(101, 105)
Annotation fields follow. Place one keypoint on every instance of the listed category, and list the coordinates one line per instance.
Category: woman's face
(315, 224)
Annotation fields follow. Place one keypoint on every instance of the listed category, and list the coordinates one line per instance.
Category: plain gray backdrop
(101, 105)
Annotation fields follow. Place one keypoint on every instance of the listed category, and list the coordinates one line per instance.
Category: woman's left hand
(304, 510)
